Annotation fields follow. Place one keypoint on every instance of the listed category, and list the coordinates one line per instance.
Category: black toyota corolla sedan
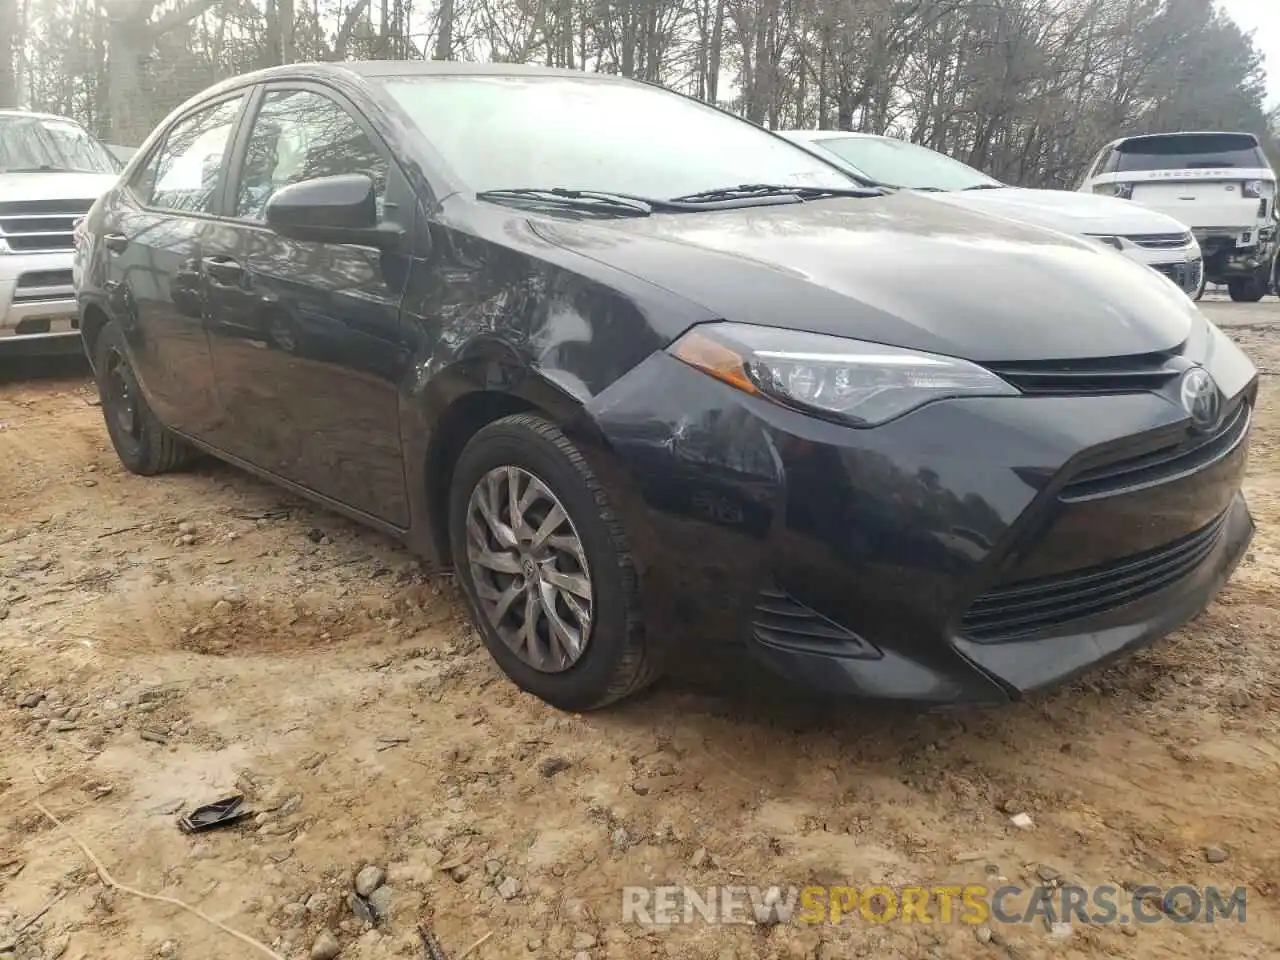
(649, 377)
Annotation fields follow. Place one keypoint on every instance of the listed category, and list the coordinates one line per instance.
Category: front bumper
(38, 310)
(1181, 264)
(972, 551)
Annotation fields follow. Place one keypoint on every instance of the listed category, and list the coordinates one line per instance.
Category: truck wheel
(1248, 289)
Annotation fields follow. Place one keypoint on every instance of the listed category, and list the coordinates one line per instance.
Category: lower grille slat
(1029, 607)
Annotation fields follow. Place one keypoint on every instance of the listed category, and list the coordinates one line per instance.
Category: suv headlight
(1254, 190)
(1123, 191)
(857, 383)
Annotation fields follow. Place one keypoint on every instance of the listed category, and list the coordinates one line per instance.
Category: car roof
(829, 135)
(1184, 133)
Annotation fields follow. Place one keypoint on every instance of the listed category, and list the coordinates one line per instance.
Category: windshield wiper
(770, 191)
(984, 186)
(596, 200)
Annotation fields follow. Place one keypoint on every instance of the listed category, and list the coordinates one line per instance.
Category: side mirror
(341, 209)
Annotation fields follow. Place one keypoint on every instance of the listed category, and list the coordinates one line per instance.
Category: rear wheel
(546, 567)
(1249, 289)
(143, 444)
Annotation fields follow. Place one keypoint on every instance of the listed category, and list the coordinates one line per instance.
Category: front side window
(183, 175)
(499, 132)
(1193, 151)
(300, 135)
(902, 164)
(32, 144)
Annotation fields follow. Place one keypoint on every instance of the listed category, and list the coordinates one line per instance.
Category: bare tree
(1026, 89)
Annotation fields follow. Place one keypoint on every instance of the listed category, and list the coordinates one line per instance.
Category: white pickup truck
(51, 172)
(1218, 184)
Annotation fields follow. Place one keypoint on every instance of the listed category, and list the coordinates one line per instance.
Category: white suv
(51, 172)
(1219, 184)
(1150, 238)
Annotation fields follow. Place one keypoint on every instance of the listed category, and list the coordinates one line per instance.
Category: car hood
(55, 186)
(1069, 212)
(904, 269)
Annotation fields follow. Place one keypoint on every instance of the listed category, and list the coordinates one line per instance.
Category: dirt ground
(204, 633)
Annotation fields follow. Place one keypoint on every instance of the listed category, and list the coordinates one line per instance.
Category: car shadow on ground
(14, 369)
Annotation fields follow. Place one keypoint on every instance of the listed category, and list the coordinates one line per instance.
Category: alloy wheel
(529, 569)
(121, 400)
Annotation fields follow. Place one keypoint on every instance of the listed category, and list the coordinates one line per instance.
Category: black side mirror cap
(338, 209)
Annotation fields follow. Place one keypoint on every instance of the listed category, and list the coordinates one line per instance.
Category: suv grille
(1161, 241)
(1033, 606)
(1185, 275)
(40, 226)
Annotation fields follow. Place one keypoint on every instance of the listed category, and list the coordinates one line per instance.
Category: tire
(1248, 289)
(1204, 282)
(141, 442)
(614, 661)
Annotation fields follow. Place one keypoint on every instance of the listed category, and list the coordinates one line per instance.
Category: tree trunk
(8, 53)
(717, 46)
(128, 43)
(444, 37)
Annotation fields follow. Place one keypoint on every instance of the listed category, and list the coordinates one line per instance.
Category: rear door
(308, 347)
(1203, 180)
(153, 239)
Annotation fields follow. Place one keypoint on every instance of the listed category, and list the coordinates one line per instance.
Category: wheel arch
(93, 318)
(458, 423)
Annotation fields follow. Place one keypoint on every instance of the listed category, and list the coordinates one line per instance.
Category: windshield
(901, 164)
(521, 131)
(42, 143)
(1199, 151)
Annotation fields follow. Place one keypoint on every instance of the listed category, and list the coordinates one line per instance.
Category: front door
(308, 348)
(153, 242)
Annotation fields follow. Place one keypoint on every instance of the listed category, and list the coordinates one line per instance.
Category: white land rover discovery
(51, 172)
(1218, 184)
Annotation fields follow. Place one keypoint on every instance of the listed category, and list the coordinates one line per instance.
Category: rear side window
(184, 173)
(1209, 151)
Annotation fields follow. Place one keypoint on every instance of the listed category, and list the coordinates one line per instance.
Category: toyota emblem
(1199, 396)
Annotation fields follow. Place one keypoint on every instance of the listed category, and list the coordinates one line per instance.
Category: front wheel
(546, 567)
(141, 442)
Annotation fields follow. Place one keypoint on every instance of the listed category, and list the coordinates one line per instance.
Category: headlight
(1122, 190)
(861, 384)
(1253, 190)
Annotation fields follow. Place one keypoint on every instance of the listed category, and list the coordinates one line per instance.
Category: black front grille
(1035, 606)
(1185, 275)
(40, 226)
(782, 621)
(1161, 241)
(1170, 462)
(45, 278)
(1140, 373)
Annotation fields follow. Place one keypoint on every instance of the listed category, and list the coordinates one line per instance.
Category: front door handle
(115, 242)
(225, 270)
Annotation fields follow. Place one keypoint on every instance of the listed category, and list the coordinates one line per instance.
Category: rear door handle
(223, 269)
(115, 242)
